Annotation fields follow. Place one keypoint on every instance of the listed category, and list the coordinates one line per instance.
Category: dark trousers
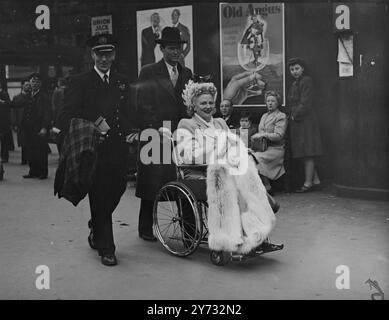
(4, 145)
(145, 224)
(109, 184)
(24, 154)
(37, 157)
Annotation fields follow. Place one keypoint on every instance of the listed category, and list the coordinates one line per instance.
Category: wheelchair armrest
(193, 166)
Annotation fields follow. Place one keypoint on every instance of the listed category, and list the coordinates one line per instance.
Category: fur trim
(239, 217)
(224, 225)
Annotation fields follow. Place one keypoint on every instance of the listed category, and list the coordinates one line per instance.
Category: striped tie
(174, 75)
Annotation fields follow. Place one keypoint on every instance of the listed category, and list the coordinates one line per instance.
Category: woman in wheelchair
(240, 217)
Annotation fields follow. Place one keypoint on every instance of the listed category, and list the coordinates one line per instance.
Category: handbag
(259, 144)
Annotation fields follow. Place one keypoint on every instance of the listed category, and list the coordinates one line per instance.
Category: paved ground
(320, 232)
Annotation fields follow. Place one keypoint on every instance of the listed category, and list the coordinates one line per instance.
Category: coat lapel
(96, 81)
(199, 124)
(164, 78)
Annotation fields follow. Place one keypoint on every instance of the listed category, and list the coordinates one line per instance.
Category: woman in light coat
(240, 217)
(272, 126)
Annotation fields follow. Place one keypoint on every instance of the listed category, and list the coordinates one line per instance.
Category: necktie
(105, 80)
(174, 75)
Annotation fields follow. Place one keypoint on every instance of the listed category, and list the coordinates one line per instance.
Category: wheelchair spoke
(178, 224)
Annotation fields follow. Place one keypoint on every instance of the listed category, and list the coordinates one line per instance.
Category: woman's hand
(258, 135)
(165, 132)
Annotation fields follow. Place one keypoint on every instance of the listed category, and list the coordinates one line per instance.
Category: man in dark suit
(101, 92)
(230, 117)
(36, 123)
(5, 123)
(149, 35)
(184, 33)
(159, 99)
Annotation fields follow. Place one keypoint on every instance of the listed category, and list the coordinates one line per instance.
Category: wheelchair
(180, 217)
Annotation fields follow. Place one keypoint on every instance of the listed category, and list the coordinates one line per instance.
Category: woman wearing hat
(304, 126)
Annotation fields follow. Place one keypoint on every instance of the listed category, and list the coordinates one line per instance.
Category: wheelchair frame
(176, 233)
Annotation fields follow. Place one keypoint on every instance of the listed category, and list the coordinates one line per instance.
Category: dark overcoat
(37, 113)
(5, 112)
(304, 126)
(88, 98)
(158, 101)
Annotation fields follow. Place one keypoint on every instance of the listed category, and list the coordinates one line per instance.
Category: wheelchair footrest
(266, 247)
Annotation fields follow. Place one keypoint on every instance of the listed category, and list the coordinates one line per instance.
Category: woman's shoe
(317, 186)
(304, 189)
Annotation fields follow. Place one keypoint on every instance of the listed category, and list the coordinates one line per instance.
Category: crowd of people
(32, 115)
(94, 114)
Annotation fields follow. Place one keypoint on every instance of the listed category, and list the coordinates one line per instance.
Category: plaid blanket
(78, 160)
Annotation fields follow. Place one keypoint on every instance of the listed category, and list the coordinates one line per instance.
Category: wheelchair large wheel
(177, 221)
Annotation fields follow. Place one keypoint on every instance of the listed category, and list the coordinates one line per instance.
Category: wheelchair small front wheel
(218, 258)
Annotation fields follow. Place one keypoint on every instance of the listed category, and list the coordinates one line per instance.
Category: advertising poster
(252, 41)
(150, 24)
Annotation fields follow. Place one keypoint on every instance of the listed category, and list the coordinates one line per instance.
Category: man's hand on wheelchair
(103, 136)
(165, 133)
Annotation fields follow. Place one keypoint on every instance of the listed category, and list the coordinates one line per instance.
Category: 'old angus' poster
(252, 40)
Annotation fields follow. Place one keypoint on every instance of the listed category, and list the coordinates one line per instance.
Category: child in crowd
(246, 130)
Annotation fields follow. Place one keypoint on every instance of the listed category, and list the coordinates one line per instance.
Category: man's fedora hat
(102, 42)
(35, 76)
(170, 35)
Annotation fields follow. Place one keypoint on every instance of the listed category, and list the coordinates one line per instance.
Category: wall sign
(102, 24)
(150, 24)
(252, 42)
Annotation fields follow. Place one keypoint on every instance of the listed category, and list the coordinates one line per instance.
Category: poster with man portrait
(150, 24)
(252, 51)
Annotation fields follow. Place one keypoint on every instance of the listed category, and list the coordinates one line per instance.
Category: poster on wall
(150, 24)
(252, 50)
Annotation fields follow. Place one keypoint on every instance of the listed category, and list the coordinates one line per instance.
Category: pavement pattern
(320, 232)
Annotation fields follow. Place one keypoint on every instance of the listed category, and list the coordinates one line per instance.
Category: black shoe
(317, 187)
(42, 177)
(305, 189)
(268, 247)
(147, 237)
(109, 260)
(29, 176)
(91, 241)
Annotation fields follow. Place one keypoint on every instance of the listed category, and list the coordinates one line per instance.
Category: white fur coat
(239, 217)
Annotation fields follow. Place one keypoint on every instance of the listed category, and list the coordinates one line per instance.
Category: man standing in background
(19, 102)
(5, 123)
(36, 124)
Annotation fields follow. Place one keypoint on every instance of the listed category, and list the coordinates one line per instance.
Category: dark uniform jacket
(88, 98)
(37, 113)
(158, 100)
